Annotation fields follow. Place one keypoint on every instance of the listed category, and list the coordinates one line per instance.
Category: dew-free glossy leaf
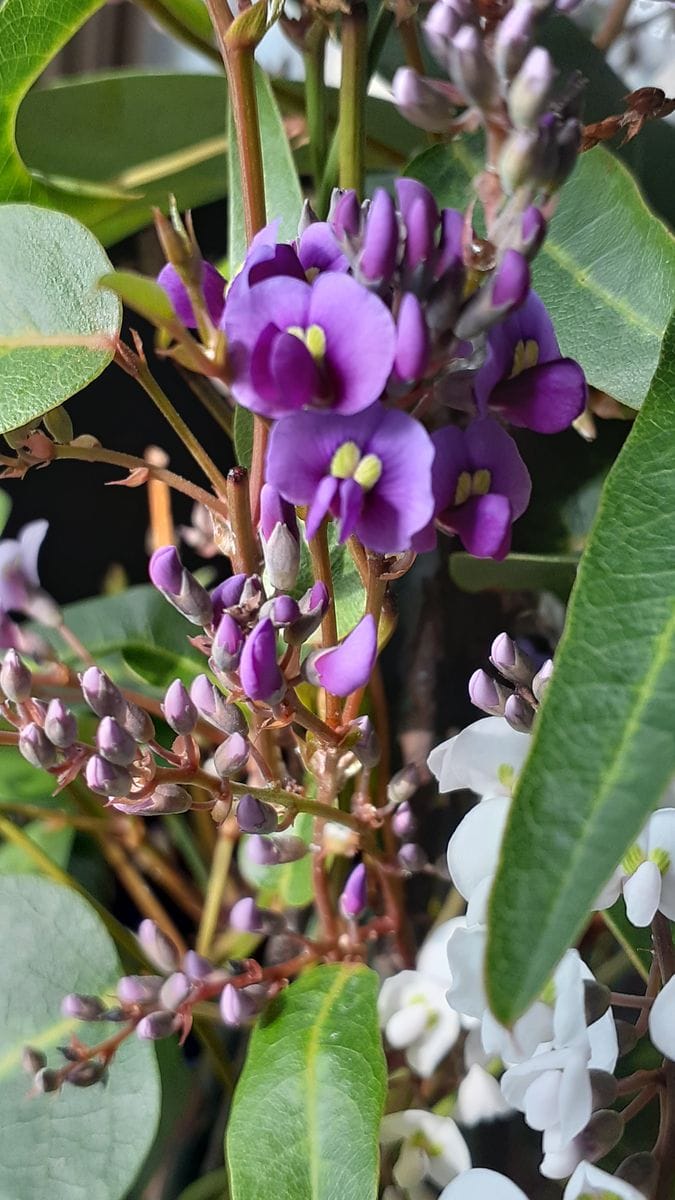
(517, 572)
(604, 746)
(86, 1142)
(49, 268)
(606, 270)
(306, 1113)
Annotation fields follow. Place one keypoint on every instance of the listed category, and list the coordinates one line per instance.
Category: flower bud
(36, 748)
(513, 39)
(626, 1036)
(597, 999)
(345, 667)
(531, 90)
(363, 742)
(259, 671)
(158, 1025)
(114, 743)
(174, 991)
(101, 694)
(247, 917)
(227, 645)
(179, 711)
(32, 1060)
(518, 713)
(640, 1171)
(379, 250)
(445, 19)
(345, 214)
(138, 724)
(602, 1133)
(15, 678)
(423, 102)
(412, 340)
(403, 785)
(471, 68)
(239, 1005)
(196, 967)
(504, 291)
(487, 694)
(541, 679)
(47, 1080)
(179, 586)
(227, 595)
(532, 231)
(270, 851)
(280, 539)
(313, 607)
(106, 778)
(213, 707)
(255, 816)
(165, 801)
(157, 946)
(139, 989)
(231, 756)
(60, 725)
(82, 1008)
(411, 858)
(604, 1087)
(354, 897)
(510, 661)
(87, 1073)
(403, 822)
(282, 611)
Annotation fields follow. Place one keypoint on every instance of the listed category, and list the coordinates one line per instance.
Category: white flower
(553, 1090)
(432, 1148)
(479, 1098)
(485, 757)
(646, 875)
(473, 853)
(589, 1181)
(417, 1018)
(480, 1184)
(662, 1020)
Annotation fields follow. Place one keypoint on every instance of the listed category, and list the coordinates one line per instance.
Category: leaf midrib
(313, 1046)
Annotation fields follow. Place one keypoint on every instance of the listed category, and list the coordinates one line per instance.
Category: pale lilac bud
(227, 645)
(533, 231)
(344, 668)
(510, 661)
(179, 586)
(106, 778)
(15, 678)
(514, 38)
(403, 822)
(174, 991)
(345, 214)
(139, 989)
(541, 679)
(196, 967)
(239, 1005)
(246, 917)
(379, 251)
(179, 711)
(157, 946)
(487, 694)
(231, 756)
(520, 160)
(101, 694)
(364, 742)
(213, 707)
(313, 605)
(271, 851)
(412, 858)
(471, 68)
(403, 785)
(259, 671)
(227, 595)
(518, 713)
(450, 254)
(412, 340)
(138, 723)
(158, 1025)
(60, 725)
(531, 90)
(423, 102)
(255, 816)
(166, 800)
(114, 743)
(82, 1008)
(36, 747)
(445, 19)
(280, 539)
(354, 897)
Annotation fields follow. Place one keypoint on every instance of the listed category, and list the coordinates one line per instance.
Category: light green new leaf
(55, 840)
(141, 294)
(306, 1113)
(288, 885)
(49, 268)
(604, 745)
(87, 1141)
(606, 271)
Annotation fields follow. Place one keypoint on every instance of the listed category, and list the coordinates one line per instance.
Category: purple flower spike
(481, 485)
(344, 668)
(412, 340)
(524, 378)
(420, 215)
(292, 345)
(213, 288)
(380, 239)
(259, 671)
(360, 470)
(179, 711)
(354, 898)
(180, 588)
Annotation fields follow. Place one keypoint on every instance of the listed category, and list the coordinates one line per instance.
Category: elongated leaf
(55, 840)
(87, 1142)
(517, 572)
(607, 265)
(49, 266)
(306, 1113)
(348, 590)
(604, 747)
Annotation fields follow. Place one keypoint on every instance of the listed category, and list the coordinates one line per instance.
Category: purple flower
(20, 589)
(481, 486)
(316, 250)
(328, 345)
(372, 471)
(525, 379)
(213, 288)
(344, 668)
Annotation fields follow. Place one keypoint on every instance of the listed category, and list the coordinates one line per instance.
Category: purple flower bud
(379, 251)
(541, 679)
(157, 946)
(259, 671)
(486, 694)
(514, 38)
(196, 967)
(114, 743)
(36, 748)
(366, 744)
(532, 230)
(139, 989)
(227, 595)
(412, 340)
(346, 667)
(423, 102)
(158, 1025)
(345, 214)
(166, 800)
(271, 851)
(280, 540)
(179, 711)
(518, 713)
(511, 281)
(313, 607)
(246, 917)
(531, 89)
(60, 725)
(107, 779)
(255, 816)
(282, 611)
(212, 706)
(138, 724)
(227, 645)
(274, 510)
(174, 991)
(510, 661)
(231, 756)
(403, 785)
(82, 1008)
(403, 822)
(471, 68)
(179, 586)
(101, 694)
(420, 217)
(239, 1005)
(354, 898)
(15, 678)
(445, 19)
(86, 1074)
(450, 256)
(412, 858)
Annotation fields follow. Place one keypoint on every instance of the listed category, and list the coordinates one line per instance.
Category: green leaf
(20, 782)
(49, 266)
(55, 840)
(348, 591)
(604, 745)
(141, 294)
(283, 195)
(517, 572)
(243, 436)
(306, 1113)
(210, 1187)
(607, 265)
(288, 885)
(86, 1142)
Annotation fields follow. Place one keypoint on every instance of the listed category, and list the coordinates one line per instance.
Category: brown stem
(407, 31)
(636, 1106)
(613, 24)
(168, 878)
(143, 896)
(258, 458)
(627, 1000)
(246, 554)
(322, 571)
(162, 531)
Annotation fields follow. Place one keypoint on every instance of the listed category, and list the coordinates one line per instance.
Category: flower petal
(546, 398)
(360, 339)
(347, 667)
(483, 525)
(481, 1184)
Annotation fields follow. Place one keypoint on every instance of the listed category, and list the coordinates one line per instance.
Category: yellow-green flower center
(476, 483)
(313, 338)
(599, 1196)
(420, 1140)
(525, 355)
(635, 857)
(347, 463)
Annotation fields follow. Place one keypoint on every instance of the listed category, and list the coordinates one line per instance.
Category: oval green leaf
(86, 1142)
(604, 745)
(306, 1113)
(49, 268)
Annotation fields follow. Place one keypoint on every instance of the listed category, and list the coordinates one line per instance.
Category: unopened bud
(282, 611)
(597, 999)
(602, 1133)
(403, 822)
(240, 1005)
(227, 595)
(403, 785)
(59, 425)
(363, 741)
(519, 162)
(179, 711)
(379, 250)
(82, 1008)
(247, 917)
(531, 90)
(541, 679)
(139, 989)
(114, 743)
(138, 724)
(423, 102)
(640, 1171)
(174, 991)
(158, 1025)
(196, 967)
(157, 946)
(214, 708)
(514, 38)
(15, 678)
(60, 725)
(444, 21)
(627, 1036)
(313, 607)
(101, 694)
(270, 851)
(36, 747)
(280, 540)
(345, 214)
(487, 694)
(354, 897)
(86, 1074)
(505, 290)
(47, 1080)
(261, 678)
(604, 1088)
(166, 800)
(472, 70)
(227, 645)
(411, 858)
(518, 713)
(107, 779)
(510, 661)
(231, 757)
(180, 587)
(32, 1060)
